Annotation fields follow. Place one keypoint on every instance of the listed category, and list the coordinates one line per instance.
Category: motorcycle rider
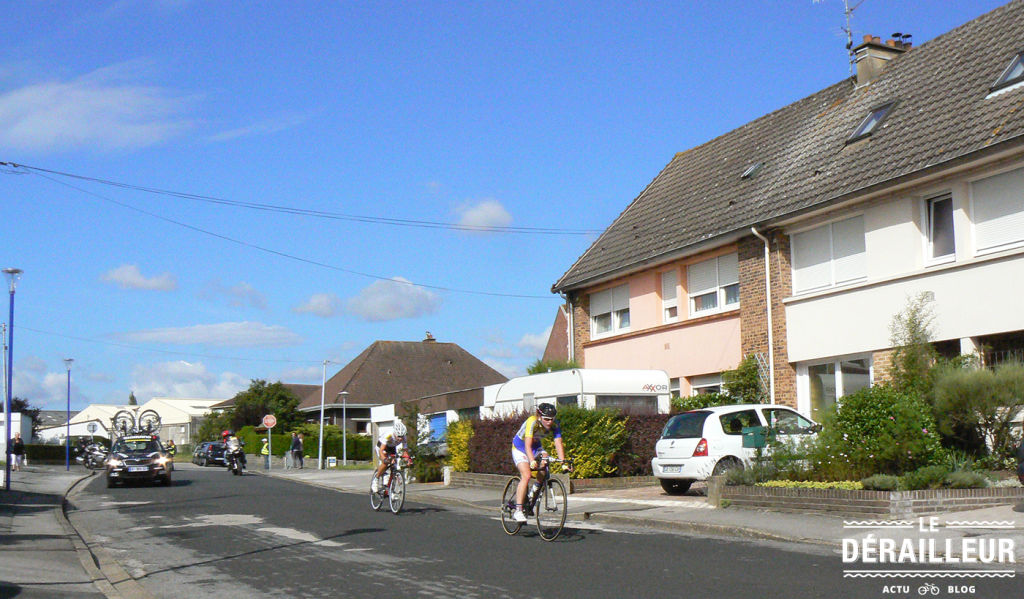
(232, 445)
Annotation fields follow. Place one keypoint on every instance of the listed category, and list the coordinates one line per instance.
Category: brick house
(906, 179)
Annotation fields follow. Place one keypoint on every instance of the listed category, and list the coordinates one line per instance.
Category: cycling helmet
(226, 434)
(399, 428)
(547, 410)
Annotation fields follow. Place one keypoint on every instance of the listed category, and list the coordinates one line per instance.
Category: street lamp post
(67, 438)
(344, 428)
(320, 450)
(13, 274)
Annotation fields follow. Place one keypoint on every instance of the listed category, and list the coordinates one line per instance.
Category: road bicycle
(130, 422)
(392, 486)
(548, 504)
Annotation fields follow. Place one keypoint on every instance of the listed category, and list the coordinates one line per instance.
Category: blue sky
(338, 119)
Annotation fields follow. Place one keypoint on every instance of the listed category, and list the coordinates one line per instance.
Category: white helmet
(399, 428)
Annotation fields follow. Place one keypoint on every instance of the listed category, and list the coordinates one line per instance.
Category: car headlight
(115, 463)
(162, 460)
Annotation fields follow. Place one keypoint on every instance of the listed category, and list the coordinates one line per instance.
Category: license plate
(138, 468)
(676, 469)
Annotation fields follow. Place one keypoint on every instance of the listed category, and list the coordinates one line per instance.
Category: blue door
(438, 427)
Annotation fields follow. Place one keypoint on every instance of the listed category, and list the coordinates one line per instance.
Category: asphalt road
(216, 535)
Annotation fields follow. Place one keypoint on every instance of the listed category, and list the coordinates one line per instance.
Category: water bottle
(533, 491)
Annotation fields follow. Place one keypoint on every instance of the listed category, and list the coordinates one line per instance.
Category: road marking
(646, 502)
(298, 535)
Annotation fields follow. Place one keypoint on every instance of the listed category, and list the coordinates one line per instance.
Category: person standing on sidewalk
(266, 454)
(296, 450)
(18, 450)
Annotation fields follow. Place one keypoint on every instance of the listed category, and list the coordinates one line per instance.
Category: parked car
(138, 458)
(209, 453)
(699, 444)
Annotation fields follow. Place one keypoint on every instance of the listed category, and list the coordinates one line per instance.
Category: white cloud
(312, 373)
(239, 295)
(508, 369)
(264, 127)
(324, 305)
(98, 110)
(43, 388)
(393, 300)
(227, 334)
(184, 379)
(130, 277)
(485, 214)
(535, 343)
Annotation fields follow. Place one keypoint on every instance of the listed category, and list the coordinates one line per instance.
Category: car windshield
(688, 425)
(138, 446)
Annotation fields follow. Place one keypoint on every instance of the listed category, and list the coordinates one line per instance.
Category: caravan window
(640, 404)
(567, 401)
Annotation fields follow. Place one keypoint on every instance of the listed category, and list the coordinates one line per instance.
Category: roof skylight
(752, 171)
(1014, 73)
(873, 121)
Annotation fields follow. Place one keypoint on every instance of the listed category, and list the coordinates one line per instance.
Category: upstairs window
(829, 256)
(706, 383)
(941, 243)
(873, 121)
(714, 284)
(1012, 75)
(669, 297)
(998, 211)
(609, 311)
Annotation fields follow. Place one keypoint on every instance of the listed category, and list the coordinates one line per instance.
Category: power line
(164, 351)
(283, 254)
(21, 168)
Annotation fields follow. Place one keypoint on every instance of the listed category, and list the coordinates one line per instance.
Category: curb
(106, 574)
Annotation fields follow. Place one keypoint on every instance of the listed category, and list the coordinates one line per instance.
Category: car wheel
(726, 464)
(166, 481)
(110, 483)
(675, 487)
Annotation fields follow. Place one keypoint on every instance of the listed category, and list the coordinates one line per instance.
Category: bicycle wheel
(396, 493)
(149, 422)
(550, 509)
(123, 422)
(508, 505)
(376, 498)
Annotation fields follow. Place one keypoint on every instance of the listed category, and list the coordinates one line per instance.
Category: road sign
(92, 427)
(269, 421)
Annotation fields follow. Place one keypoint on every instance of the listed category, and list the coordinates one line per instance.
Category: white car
(702, 443)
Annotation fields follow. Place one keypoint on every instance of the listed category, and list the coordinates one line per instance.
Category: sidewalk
(41, 555)
(651, 508)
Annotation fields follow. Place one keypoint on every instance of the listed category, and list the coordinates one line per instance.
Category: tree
(22, 405)
(541, 366)
(261, 399)
(131, 399)
(913, 355)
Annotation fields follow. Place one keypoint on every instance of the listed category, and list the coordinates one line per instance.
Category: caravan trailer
(639, 390)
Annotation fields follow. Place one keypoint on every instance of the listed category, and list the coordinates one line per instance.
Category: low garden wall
(497, 481)
(877, 504)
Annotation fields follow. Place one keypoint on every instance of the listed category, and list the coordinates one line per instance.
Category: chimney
(430, 338)
(872, 55)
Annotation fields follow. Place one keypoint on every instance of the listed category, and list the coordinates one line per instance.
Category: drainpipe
(572, 331)
(768, 302)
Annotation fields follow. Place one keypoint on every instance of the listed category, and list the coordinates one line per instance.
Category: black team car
(139, 458)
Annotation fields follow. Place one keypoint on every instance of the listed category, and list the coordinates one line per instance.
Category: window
(673, 387)
(1013, 74)
(998, 211)
(609, 311)
(733, 424)
(714, 284)
(829, 256)
(788, 422)
(873, 121)
(636, 404)
(669, 300)
(567, 401)
(706, 383)
(828, 382)
(941, 244)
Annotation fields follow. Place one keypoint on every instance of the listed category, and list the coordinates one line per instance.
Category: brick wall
(580, 325)
(753, 314)
(881, 366)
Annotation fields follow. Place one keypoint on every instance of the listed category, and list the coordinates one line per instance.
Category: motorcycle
(93, 456)
(234, 457)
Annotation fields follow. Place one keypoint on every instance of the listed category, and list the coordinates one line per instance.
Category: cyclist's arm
(559, 448)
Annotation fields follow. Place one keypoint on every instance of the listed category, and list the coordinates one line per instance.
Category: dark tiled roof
(943, 115)
(393, 371)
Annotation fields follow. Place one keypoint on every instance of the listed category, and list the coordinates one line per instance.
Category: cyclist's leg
(523, 466)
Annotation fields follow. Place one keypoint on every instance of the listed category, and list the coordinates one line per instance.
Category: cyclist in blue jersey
(527, 451)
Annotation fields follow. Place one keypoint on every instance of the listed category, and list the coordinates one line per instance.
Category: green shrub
(881, 482)
(928, 477)
(428, 469)
(459, 434)
(751, 474)
(876, 430)
(975, 408)
(966, 480)
(846, 485)
(592, 438)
